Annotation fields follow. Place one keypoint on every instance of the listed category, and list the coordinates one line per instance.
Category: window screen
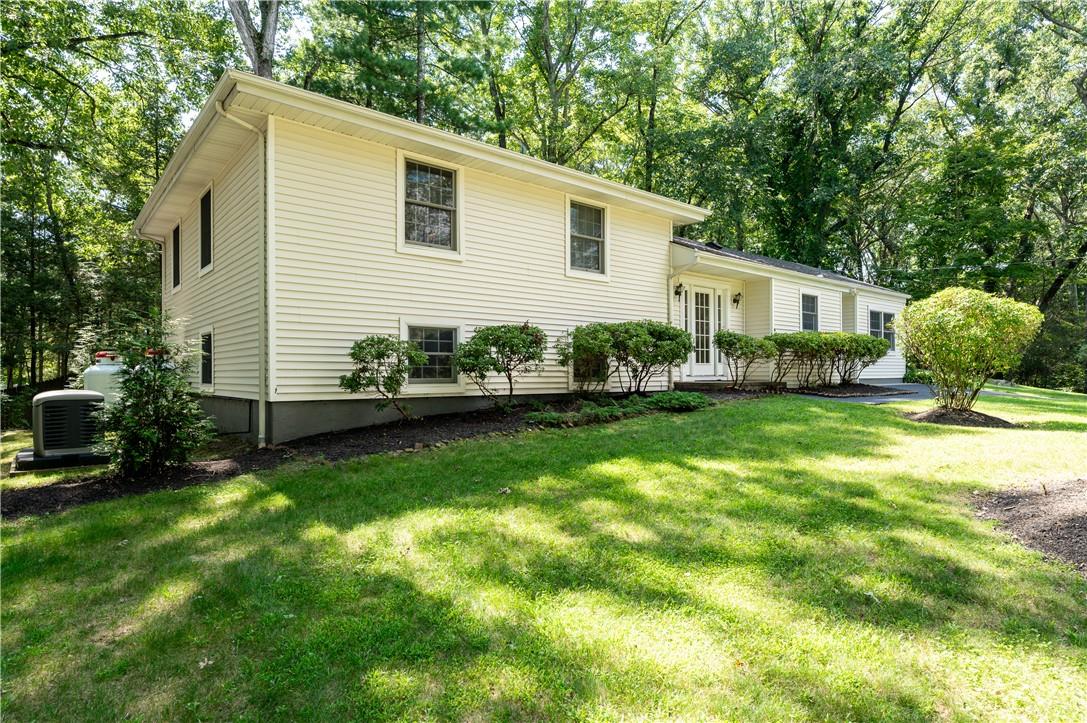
(205, 359)
(430, 206)
(175, 256)
(586, 238)
(809, 312)
(438, 343)
(205, 230)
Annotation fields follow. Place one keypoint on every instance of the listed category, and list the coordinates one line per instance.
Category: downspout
(262, 332)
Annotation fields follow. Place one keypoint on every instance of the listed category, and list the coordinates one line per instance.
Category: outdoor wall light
(736, 299)
(679, 290)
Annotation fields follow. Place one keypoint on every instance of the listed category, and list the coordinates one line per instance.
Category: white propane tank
(104, 376)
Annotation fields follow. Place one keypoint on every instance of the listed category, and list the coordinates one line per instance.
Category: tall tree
(259, 41)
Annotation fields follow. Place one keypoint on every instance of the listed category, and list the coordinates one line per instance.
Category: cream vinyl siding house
(329, 222)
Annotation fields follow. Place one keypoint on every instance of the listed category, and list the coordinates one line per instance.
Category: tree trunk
(650, 134)
(259, 43)
(420, 64)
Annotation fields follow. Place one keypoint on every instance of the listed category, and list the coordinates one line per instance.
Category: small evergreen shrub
(741, 352)
(382, 364)
(511, 350)
(964, 337)
(818, 358)
(678, 401)
(157, 422)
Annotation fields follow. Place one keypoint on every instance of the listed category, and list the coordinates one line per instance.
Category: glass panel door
(703, 325)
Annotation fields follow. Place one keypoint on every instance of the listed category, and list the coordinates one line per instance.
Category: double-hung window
(205, 230)
(175, 256)
(880, 325)
(587, 238)
(430, 206)
(438, 343)
(809, 312)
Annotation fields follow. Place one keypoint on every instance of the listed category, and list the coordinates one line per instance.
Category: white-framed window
(880, 325)
(587, 245)
(175, 255)
(809, 312)
(430, 207)
(438, 338)
(207, 226)
(207, 361)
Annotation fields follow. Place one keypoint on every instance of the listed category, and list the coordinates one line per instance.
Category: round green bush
(963, 337)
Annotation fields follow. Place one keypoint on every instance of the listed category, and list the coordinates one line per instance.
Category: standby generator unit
(64, 431)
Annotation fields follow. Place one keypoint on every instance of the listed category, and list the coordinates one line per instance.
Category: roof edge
(834, 277)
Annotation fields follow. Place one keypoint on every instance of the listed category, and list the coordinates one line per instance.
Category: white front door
(702, 358)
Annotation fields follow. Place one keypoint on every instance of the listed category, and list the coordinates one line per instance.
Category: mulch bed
(851, 390)
(1050, 517)
(409, 436)
(960, 418)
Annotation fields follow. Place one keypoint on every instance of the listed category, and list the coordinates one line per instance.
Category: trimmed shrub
(587, 349)
(852, 353)
(678, 401)
(646, 349)
(507, 349)
(963, 337)
(741, 352)
(156, 422)
(382, 364)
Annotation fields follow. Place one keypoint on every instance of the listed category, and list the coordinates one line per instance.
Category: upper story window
(175, 256)
(586, 238)
(880, 325)
(430, 206)
(205, 230)
(809, 312)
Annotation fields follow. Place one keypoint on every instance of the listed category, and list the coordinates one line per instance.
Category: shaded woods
(912, 143)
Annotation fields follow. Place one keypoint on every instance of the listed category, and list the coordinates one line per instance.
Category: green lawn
(782, 558)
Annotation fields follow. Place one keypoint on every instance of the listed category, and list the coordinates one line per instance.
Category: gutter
(262, 331)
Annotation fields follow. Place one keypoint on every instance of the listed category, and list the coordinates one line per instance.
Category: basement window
(438, 343)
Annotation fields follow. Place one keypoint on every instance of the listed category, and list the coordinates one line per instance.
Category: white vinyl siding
(892, 366)
(228, 299)
(338, 275)
(786, 306)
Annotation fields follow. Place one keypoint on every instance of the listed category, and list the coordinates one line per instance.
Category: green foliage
(382, 364)
(816, 358)
(588, 350)
(965, 336)
(156, 422)
(644, 350)
(741, 352)
(511, 350)
(609, 410)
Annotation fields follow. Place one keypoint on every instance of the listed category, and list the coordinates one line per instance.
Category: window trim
(176, 265)
(208, 331)
(210, 188)
(405, 247)
(817, 314)
(883, 312)
(605, 274)
(431, 389)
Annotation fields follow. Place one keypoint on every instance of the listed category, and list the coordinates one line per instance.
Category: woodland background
(912, 143)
